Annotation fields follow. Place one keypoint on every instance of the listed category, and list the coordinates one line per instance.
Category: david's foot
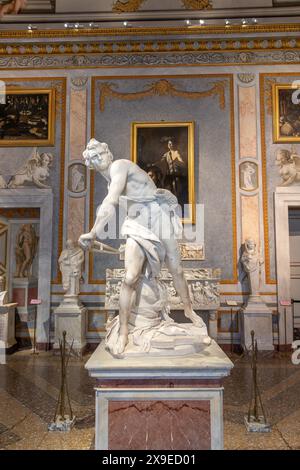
(119, 348)
(207, 340)
(195, 319)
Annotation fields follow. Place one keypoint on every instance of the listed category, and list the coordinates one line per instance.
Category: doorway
(32, 199)
(294, 235)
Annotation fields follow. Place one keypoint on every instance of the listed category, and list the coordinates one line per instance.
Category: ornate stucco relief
(161, 88)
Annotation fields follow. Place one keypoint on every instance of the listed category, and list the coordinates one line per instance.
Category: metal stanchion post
(35, 302)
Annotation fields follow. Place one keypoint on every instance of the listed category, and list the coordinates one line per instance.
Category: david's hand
(86, 240)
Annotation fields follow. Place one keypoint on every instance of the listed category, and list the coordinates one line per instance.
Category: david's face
(96, 160)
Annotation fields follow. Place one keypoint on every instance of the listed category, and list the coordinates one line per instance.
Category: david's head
(97, 155)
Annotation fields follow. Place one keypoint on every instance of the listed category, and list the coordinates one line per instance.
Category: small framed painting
(27, 117)
(286, 112)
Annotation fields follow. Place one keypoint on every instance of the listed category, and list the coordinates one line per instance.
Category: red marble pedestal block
(159, 425)
(159, 403)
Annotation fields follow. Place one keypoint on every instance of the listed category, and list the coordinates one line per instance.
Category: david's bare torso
(138, 182)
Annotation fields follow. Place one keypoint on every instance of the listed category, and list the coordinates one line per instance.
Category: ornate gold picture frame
(165, 150)
(27, 117)
(286, 113)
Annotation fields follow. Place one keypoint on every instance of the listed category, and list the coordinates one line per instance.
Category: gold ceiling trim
(197, 4)
(159, 31)
(132, 6)
(131, 46)
(161, 88)
(127, 7)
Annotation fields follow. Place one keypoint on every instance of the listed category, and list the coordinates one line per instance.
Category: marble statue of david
(152, 228)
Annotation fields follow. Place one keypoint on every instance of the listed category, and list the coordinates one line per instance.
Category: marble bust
(152, 228)
(70, 264)
(252, 263)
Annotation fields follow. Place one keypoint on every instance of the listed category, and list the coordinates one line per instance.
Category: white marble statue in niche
(70, 264)
(152, 231)
(252, 262)
(35, 171)
(289, 167)
(248, 176)
(26, 250)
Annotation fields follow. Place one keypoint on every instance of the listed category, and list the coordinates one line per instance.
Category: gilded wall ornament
(161, 88)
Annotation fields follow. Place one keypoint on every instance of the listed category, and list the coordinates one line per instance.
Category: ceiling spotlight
(66, 25)
(188, 22)
(76, 25)
(30, 27)
(125, 23)
(201, 22)
(254, 20)
(244, 22)
(227, 22)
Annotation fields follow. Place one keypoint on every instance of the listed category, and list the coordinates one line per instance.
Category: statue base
(70, 316)
(62, 424)
(257, 316)
(163, 403)
(255, 425)
(8, 341)
(25, 289)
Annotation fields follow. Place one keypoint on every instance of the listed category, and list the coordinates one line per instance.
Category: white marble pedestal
(70, 316)
(257, 316)
(23, 291)
(166, 403)
(7, 328)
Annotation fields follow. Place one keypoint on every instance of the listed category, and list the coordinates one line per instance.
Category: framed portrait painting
(27, 117)
(165, 150)
(286, 113)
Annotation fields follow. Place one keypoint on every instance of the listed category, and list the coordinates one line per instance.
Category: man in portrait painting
(173, 171)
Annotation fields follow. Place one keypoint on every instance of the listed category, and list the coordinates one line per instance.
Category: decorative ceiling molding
(131, 6)
(12, 8)
(161, 88)
(197, 4)
(128, 6)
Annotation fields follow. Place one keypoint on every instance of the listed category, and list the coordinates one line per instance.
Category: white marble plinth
(135, 392)
(7, 326)
(70, 316)
(257, 316)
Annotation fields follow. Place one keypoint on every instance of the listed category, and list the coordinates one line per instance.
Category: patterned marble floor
(29, 387)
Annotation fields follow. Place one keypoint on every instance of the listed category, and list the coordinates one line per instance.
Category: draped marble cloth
(150, 223)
